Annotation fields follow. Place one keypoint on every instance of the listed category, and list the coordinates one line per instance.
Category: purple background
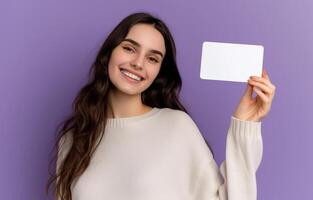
(46, 49)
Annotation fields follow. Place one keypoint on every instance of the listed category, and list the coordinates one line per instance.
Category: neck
(123, 105)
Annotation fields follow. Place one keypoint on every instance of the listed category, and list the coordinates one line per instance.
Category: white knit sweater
(161, 155)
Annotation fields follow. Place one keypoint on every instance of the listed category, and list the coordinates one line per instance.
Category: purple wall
(46, 49)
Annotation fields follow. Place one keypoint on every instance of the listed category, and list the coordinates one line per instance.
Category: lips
(135, 73)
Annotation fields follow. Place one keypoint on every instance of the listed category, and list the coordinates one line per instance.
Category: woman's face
(136, 61)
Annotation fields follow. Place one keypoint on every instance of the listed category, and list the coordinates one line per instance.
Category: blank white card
(231, 62)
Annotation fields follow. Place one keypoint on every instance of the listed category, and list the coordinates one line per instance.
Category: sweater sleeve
(236, 177)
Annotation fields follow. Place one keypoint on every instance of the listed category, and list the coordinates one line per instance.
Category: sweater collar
(121, 122)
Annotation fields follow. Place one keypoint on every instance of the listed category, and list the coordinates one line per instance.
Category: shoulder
(176, 115)
(186, 128)
(65, 143)
(183, 123)
(64, 146)
(178, 118)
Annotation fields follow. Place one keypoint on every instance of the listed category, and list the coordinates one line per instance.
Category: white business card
(231, 62)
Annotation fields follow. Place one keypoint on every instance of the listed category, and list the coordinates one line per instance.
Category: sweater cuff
(245, 126)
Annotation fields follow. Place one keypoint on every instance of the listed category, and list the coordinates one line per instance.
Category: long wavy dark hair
(87, 123)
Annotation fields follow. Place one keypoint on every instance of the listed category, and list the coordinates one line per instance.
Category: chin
(129, 91)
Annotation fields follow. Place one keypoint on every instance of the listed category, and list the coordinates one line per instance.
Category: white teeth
(133, 76)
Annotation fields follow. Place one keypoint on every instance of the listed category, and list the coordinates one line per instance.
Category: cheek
(114, 62)
(111, 69)
(153, 73)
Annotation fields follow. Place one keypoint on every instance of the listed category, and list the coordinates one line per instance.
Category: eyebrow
(138, 45)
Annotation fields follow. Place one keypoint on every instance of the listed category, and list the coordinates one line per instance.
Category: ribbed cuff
(243, 126)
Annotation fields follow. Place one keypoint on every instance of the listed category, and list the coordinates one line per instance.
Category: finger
(271, 85)
(265, 74)
(263, 97)
(268, 88)
(264, 81)
(249, 90)
(262, 86)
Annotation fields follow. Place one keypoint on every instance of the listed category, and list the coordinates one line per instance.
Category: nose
(137, 62)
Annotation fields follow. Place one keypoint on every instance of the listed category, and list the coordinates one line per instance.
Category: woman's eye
(128, 49)
(153, 60)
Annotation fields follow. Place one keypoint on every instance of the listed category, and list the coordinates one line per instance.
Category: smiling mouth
(130, 76)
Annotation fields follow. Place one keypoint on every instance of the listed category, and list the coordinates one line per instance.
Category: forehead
(147, 36)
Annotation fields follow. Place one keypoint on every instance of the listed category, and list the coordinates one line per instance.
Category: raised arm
(236, 178)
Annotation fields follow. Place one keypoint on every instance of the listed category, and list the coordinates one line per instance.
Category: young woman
(129, 137)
